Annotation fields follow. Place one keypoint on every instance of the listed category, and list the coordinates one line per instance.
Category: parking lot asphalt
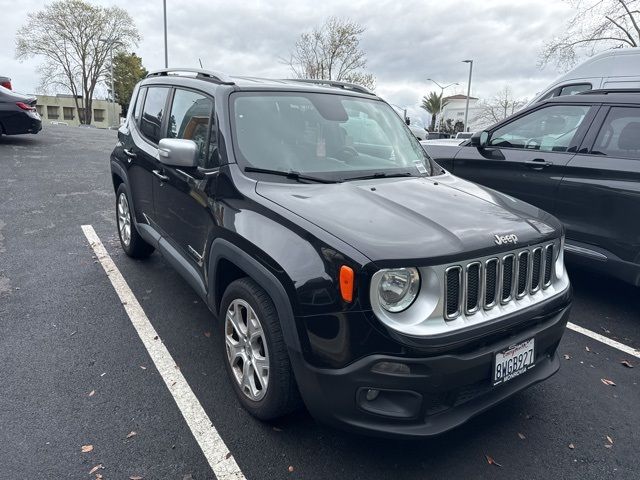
(74, 372)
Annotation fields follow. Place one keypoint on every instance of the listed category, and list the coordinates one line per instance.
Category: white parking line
(213, 447)
(607, 341)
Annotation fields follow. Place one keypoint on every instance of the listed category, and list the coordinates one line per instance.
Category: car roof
(248, 83)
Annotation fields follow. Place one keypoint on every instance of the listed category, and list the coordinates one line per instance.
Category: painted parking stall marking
(213, 447)
(606, 340)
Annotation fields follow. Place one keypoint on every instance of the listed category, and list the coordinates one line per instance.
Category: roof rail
(334, 83)
(200, 73)
(606, 91)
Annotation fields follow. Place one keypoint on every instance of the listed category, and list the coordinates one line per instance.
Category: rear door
(599, 196)
(142, 151)
(181, 196)
(526, 156)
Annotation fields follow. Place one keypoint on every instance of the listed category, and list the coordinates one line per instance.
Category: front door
(526, 157)
(182, 196)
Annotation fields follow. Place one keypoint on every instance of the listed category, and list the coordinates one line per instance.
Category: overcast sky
(406, 41)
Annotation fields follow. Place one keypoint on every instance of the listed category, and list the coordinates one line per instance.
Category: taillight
(6, 85)
(24, 106)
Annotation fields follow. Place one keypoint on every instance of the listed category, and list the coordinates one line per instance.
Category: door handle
(163, 178)
(537, 163)
(129, 153)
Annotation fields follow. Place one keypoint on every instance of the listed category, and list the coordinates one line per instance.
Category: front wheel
(256, 356)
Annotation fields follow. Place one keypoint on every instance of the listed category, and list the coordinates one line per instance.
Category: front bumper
(440, 392)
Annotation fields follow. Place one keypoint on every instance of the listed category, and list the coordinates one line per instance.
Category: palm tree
(433, 104)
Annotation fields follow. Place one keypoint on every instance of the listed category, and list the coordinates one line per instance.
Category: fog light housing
(391, 368)
(389, 403)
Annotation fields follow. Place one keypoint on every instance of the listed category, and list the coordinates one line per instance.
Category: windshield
(331, 136)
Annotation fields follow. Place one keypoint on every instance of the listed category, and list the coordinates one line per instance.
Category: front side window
(337, 137)
(549, 129)
(189, 119)
(620, 133)
(153, 112)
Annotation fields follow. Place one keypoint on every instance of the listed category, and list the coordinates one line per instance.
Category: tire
(279, 393)
(130, 240)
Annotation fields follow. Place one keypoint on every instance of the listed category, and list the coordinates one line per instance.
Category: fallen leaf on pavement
(522, 437)
(207, 334)
(143, 367)
(627, 363)
(491, 461)
(276, 429)
(87, 448)
(587, 349)
(608, 382)
(132, 434)
(567, 356)
(228, 455)
(610, 440)
(95, 469)
(572, 446)
(607, 445)
(290, 469)
(99, 476)
(92, 393)
(135, 477)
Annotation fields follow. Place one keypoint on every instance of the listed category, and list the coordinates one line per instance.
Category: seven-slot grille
(497, 280)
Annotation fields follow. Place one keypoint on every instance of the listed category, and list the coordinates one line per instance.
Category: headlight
(398, 288)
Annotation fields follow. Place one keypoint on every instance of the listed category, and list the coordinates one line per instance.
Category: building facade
(454, 111)
(62, 109)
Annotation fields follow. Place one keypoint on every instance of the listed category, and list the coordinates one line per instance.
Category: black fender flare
(223, 249)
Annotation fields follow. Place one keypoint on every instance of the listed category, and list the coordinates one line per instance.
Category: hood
(429, 220)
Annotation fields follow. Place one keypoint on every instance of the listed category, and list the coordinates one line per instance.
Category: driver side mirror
(480, 139)
(178, 152)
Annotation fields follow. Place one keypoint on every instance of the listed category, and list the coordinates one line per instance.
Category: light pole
(111, 44)
(466, 108)
(166, 53)
(441, 95)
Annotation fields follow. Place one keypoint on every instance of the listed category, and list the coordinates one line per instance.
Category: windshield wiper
(292, 174)
(379, 175)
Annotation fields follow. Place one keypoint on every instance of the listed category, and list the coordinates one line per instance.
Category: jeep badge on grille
(502, 239)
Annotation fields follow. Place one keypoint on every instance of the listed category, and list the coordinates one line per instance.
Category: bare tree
(332, 52)
(74, 38)
(499, 107)
(595, 25)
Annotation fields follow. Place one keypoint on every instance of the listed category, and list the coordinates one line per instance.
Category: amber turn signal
(346, 283)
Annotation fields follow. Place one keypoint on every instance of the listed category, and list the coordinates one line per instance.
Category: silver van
(613, 69)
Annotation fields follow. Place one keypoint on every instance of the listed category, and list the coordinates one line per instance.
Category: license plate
(514, 361)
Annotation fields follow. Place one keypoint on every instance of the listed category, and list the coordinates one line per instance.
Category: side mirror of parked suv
(177, 152)
(480, 139)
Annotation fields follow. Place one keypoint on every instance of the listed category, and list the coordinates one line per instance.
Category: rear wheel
(256, 357)
(130, 240)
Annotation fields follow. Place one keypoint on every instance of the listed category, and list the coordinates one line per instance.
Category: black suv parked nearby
(577, 157)
(346, 269)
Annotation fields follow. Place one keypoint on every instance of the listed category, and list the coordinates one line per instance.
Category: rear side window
(575, 89)
(153, 113)
(549, 129)
(138, 108)
(620, 134)
(190, 118)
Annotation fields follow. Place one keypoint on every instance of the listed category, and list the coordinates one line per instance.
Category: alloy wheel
(124, 219)
(247, 349)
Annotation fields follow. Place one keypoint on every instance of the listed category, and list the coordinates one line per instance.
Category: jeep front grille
(477, 285)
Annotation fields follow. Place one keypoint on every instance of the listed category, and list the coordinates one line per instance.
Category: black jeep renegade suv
(346, 269)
